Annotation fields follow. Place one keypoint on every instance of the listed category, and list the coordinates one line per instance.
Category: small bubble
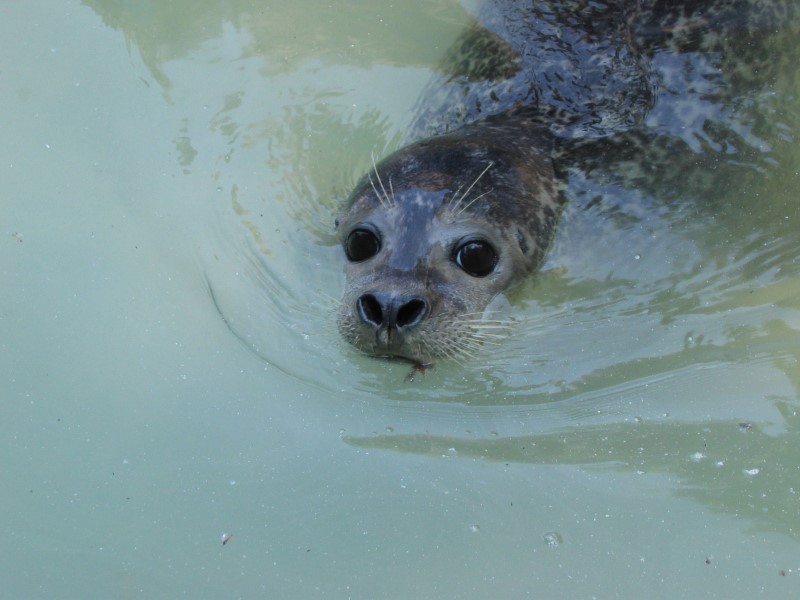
(636, 256)
(752, 472)
(553, 539)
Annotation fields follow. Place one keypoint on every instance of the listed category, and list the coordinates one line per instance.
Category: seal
(440, 227)
(438, 230)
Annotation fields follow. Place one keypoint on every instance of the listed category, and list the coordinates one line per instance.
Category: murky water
(171, 370)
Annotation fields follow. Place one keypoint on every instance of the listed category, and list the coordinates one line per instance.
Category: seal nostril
(370, 311)
(388, 310)
(411, 313)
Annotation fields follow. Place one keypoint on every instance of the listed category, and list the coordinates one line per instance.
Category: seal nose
(391, 310)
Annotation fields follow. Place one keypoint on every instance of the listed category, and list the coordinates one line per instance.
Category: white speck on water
(698, 456)
(752, 472)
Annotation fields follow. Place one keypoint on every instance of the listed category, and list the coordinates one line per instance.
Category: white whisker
(378, 175)
(473, 201)
(374, 189)
(454, 208)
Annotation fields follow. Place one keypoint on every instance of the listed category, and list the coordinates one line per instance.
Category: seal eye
(361, 244)
(476, 257)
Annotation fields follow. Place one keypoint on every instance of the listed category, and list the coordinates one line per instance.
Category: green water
(170, 369)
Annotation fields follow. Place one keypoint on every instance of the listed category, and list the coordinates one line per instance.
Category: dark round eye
(476, 257)
(361, 244)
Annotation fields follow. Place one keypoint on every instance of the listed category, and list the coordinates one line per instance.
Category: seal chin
(390, 342)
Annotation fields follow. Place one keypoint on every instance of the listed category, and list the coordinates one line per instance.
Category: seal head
(437, 230)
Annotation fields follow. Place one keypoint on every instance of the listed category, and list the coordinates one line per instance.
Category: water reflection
(733, 467)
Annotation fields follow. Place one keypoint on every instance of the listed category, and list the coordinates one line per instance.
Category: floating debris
(416, 368)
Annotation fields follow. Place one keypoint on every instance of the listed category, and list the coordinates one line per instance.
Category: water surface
(171, 369)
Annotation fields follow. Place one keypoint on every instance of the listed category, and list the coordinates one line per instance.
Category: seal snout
(389, 310)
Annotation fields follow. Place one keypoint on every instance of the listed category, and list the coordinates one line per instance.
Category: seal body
(436, 230)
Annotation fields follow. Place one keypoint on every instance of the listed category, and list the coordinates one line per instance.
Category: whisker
(488, 337)
(487, 325)
(441, 348)
(332, 300)
(455, 207)
(484, 325)
(374, 189)
(474, 200)
(453, 197)
(378, 175)
(483, 313)
(468, 344)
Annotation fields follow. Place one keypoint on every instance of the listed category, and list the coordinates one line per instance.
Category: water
(171, 371)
